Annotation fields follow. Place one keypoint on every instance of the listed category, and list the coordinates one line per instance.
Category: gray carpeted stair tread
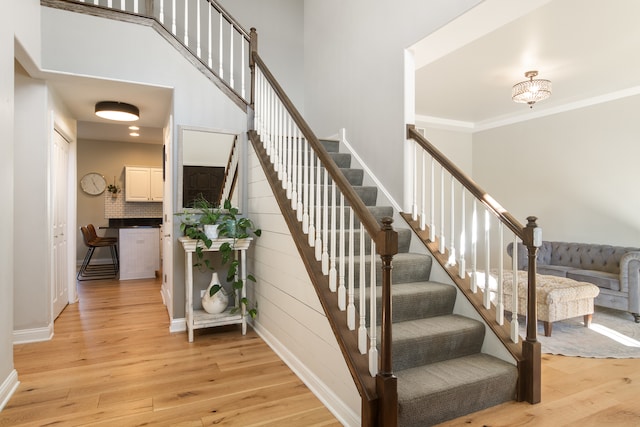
(442, 391)
(331, 145)
(418, 300)
(407, 267)
(415, 300)
(434, 339)
(342, 160)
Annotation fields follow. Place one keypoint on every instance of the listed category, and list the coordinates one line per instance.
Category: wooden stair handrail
(468, 183)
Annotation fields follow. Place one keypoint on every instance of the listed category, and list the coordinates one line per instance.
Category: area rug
(613, 334)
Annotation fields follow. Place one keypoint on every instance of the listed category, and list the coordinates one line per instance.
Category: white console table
(197, 319)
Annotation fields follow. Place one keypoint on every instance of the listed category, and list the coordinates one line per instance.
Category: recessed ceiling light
(120, 111)
(134, 128)
(134, 134)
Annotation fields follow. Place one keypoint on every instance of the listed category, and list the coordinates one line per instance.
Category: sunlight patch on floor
(614, 335)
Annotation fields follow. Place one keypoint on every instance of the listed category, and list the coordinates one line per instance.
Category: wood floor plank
(113, 362)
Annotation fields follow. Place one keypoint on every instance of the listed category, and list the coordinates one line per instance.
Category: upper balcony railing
(202, 26)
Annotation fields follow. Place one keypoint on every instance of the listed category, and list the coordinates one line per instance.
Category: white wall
(576, 171)
(8, 377)
(354, 71)
(290, 317)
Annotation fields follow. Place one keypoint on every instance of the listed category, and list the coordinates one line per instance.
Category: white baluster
(487, 263)
(299, 174)
(231, 77)
(432, 203)
(362, 329)
(312, 191)
(198, 45)
(135, 6)
(289, 163)
(319, 211)
(210, 41)
(161, 15)
(173, 17)
(414, 206)
(342, 298)
(474, 248)
(186, 23)
(295, 159)
(242, 67)
(351, 307)
(325, 223)
(452, 249)
(123, 5)
(305, 187)
(286, 153)
(441, 239)
(499, 292)
(423, 201)
(515, 333)
(220, 50)
(110, 3)
(463, 237)
(333, 276)
(373, 350)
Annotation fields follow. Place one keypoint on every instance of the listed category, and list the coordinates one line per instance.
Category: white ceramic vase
(211, 231)
(218, 302)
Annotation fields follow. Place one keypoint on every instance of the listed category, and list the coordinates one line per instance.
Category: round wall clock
(93, 183)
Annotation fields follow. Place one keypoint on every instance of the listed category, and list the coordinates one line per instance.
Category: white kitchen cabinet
(139, 252)
(143, 184)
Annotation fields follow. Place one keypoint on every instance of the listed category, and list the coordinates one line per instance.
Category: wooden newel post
(386, 382)
(531, 347)
(253, 48)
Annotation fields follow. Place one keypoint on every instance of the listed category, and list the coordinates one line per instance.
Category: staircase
(437, 357)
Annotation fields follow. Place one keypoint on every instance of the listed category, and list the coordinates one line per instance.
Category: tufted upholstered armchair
(614, 269)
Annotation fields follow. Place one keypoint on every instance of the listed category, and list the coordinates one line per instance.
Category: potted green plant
(231, 226)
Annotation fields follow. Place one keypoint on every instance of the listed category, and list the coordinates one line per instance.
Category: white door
(167, 225)
(59, 282)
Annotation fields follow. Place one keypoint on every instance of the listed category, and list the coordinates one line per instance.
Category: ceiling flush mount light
(531, 91)
(120, 111)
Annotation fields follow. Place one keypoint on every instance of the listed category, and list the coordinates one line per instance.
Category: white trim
(177, 325)
(25, 336)
(343, 413)
(341, 136)
(448, 124)
(8, 387)
(529, 114)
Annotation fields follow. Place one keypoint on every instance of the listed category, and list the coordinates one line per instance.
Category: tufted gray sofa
(614, 269)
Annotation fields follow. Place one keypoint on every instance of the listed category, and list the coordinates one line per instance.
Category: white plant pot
(211, 231)
(218, 302)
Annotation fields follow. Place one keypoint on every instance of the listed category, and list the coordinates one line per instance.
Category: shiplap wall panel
(289, 312)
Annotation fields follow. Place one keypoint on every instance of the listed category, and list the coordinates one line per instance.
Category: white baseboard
(8, 387)
(24, 336)
(343, 413)
(178, 325)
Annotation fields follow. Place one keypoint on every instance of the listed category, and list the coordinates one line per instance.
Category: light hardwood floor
(113, 362)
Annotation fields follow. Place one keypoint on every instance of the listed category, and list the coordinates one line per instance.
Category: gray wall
(354, 72)
(576, 171)
(280, 27)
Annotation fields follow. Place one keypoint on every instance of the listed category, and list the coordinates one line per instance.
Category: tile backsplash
(116, 207)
